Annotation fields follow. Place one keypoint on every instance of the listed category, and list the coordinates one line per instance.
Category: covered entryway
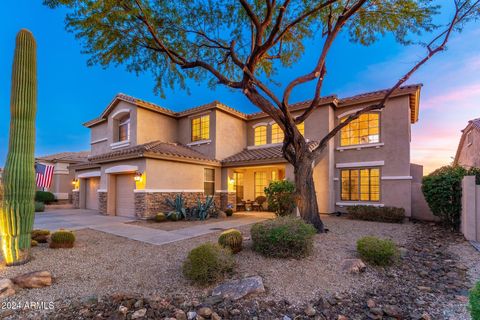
(91, 194)
(125, 198)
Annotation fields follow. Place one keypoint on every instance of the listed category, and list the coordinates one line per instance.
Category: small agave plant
(178, 211)
(204, 208)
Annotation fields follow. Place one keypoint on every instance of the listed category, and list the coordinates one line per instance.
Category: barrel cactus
(232, 239)
(17, 208)
(62, 239)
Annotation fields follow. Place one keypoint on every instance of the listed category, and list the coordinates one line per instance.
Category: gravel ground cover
(427, 279)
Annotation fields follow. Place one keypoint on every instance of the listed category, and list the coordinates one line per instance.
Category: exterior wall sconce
(231, 180)
(138, 176)
(75, 181)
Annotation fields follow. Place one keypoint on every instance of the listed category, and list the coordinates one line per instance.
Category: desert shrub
(208, 263)
(474, 302)
(177, 205)
(229, 212)
(160, 217)
(40, 235)
(39, 206)
(377, 251)
(281, 197)
(44, 196)
(380, 214)
(443, 193)
(33, 243)
(231, 239)
(62, 239)
(284, 237)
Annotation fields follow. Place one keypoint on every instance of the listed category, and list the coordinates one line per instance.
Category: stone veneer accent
(102, 202)
(76, 199)
(148, 204)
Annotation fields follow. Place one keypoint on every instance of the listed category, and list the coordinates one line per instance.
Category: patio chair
(241, 206)
(258, 204)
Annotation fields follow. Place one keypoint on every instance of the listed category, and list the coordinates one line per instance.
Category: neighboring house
(142, 154)
(468, 152)
(63, 173)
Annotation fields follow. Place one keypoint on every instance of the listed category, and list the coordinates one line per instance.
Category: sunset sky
(71, 93)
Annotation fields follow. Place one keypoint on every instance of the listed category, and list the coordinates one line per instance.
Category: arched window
(260, 135)
(124, 128)
(277, 134)
(363, 130)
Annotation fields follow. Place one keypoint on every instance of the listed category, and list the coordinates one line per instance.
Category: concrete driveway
(75, 219)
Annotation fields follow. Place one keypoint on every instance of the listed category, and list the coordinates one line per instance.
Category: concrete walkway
(81, 219)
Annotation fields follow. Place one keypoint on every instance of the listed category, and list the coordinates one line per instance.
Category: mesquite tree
(242, 43)
(17, 210)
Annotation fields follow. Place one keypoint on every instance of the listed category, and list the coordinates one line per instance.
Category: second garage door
(125, 199)
(91, 195)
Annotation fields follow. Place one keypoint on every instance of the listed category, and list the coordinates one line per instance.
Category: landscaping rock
(139, 314)
(371, 303)
(238, 289)
(353, 265)
(6, 288)
(215, 316)
(205, 312)
(180, 315)
(310, 311)
(213, 300)
(392, 311)
(36, 279)
(191, 315)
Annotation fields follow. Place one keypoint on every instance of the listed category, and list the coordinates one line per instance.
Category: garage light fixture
(74, 181)
(138, 176)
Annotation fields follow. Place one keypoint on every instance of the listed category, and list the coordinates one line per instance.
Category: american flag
(43, 175)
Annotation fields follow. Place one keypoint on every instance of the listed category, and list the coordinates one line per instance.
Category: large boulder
(36, 279)
(353, 266)
(6, 288)
(238, 289)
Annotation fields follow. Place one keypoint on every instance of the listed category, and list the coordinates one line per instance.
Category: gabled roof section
(68, 157)
(412, 90)
(212, 105)
(155, 149)
(256, 155)
(472, 124)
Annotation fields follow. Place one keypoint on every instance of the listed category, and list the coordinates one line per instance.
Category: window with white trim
(201, 128)
(124, 128)
(360, 184)
(260, 135)
(363, 130)
(277, 133)
(260, 183)
(209, 182)
(469, 138)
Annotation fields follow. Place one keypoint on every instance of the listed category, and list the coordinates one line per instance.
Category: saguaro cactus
(17, 210)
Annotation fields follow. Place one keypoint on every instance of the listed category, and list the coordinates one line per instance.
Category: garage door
(125, 200)
(91, 194)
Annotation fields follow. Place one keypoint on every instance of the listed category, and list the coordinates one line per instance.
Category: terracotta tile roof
(73, 157)
(475, 123)
(268, 153)
(212, 105)
(378, 94)
(155, 147)
(144, 103)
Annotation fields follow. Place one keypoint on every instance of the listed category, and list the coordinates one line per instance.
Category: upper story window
(277, 134)
(469, 138)
(260, 135)
(201, 128)
(363, 130)
(360, 184)
(124, 128)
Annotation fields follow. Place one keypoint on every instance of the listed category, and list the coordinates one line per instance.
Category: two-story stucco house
(142, 153)
(468, 152)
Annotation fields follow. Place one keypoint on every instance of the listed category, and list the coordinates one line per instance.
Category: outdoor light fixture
(231, 180)
(138, 176)
(74, 181)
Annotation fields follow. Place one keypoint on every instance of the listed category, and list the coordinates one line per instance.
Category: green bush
(443, 193)
(231, 239)
(377, 251)
(229, 212)
(474, 302)
(208, 263)
(39, 206)
(40, 235)
(281, 197)
(380, 214)
(44, 196)
(62, 239)
(283, 237)
(160, 217)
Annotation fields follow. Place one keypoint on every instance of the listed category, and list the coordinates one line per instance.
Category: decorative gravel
(103, 264)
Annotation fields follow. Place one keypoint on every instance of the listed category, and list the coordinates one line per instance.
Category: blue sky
(70, 92)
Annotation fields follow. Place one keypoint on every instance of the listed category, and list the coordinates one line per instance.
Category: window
(469, 138)
(124, 128)
(209, 182)
(365, 129)
(301, 128)
(277, 133)
(260, 183)
(274, 175)
(201, 128)
(360, 185)
(260, 133)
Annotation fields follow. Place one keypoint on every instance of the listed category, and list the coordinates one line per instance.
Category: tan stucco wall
(420, 208)
(470, 154)
(230, 135)
(184, 132)
(140, 163)
(99, 132)
(153, 126)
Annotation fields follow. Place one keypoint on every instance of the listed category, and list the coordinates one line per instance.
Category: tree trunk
(306, 196)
